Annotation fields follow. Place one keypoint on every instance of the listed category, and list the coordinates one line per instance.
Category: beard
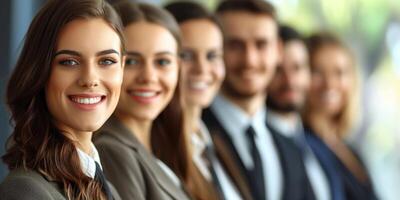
(276, 104)
(230, 90)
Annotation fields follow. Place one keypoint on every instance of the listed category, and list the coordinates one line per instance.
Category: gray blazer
(21, 184)
(133, 170)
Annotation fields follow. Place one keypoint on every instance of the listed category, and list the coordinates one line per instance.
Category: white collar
(234, 119)
(282, 125)
(88, 162)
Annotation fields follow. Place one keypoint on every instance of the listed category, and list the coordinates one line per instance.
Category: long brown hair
(184, 11)
(168, 141)
(36, 143)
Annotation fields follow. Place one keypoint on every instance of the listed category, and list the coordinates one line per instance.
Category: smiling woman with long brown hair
(65, 85)
(145, 134)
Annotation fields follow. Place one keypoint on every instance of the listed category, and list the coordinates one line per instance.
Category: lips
(90, 100)
(198, 85)
(144, 95)
(87, 101)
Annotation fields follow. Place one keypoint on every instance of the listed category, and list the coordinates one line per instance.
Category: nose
(251, 56)
(89, 77)
(148, 73)
(201, 65)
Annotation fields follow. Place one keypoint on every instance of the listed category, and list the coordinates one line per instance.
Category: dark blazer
(343, 183)
(133, 170)
(296, 185)
(23, 184)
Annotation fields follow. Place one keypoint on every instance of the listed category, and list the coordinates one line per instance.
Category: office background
(370, 27)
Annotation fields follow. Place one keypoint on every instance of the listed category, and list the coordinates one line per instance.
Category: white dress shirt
(315, 173)
(171, 174)
(235, 121)
(88, 162)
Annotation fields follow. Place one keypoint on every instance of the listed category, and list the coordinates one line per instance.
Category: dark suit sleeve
(24, 188)
(122, 169)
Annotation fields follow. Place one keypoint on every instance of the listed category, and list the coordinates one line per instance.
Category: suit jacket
(296, 185)
(21, 184)
(133, 170)
(344, 184)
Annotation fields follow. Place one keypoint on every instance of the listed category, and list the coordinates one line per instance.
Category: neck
(250, 105)
(141, 129)
(192, 118)
(324, 126)
(84, 142)
(290, 117)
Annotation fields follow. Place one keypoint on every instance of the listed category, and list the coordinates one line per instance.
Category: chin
(90, 127)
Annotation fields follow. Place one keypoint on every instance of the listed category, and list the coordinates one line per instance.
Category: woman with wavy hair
(65, 85)
(202, 74)
(145, 134)
(330, 113)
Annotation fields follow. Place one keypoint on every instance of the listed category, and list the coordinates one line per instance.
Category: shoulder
(27, 184)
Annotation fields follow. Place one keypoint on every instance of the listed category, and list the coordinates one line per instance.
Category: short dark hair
(184, 11)
(252, 6)
(288, 33)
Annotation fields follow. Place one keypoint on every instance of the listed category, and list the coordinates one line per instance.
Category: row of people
(139, 79)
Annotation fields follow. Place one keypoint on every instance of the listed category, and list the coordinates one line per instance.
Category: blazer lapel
(146, 158)
(296, 184)
(227, 154)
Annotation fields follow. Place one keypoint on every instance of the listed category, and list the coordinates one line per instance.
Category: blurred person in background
(330, 114)
(202, 74)
(286, 98)
(262, 163)
(143, 146)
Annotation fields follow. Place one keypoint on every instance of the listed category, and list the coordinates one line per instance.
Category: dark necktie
(99, 176)
(256, 175)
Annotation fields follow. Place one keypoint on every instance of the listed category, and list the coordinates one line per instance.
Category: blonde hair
(347, 118)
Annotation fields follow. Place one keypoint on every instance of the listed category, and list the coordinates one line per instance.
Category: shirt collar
(283, 126)
(234, 119)
(88, 162)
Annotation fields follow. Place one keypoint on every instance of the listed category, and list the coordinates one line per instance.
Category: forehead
(246, 25)
(210, 34)
(148, 37)
(296, 48)
(332, 58)
(88, 36)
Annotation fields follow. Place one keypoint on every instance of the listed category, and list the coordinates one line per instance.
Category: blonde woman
(330, 114)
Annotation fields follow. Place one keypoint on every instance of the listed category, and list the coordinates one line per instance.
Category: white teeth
(198, 85)
(145, 94)
(90, 100)
(331, 96)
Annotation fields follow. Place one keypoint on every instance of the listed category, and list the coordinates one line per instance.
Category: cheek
(218, 72)
(129, 77)
(113, 79)
(231, 58)
(170, 80)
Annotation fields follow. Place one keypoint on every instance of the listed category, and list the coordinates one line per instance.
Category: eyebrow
(75, 53)
(134, 53)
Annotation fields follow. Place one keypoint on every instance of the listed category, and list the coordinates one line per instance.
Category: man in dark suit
(286, 96)
(265, 164)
